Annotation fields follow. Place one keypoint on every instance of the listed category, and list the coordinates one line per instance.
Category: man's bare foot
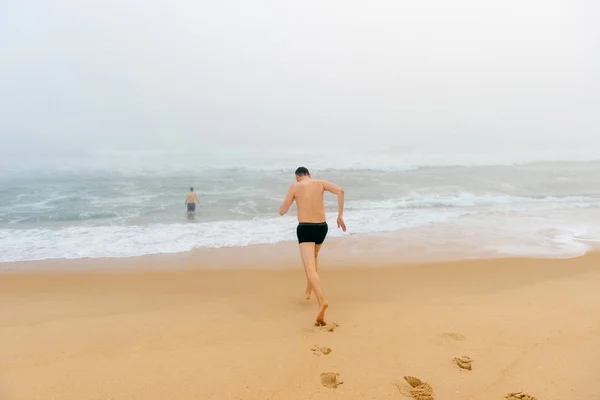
(308, 291)
(321, 314)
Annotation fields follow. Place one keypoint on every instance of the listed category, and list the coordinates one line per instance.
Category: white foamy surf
(107, 207)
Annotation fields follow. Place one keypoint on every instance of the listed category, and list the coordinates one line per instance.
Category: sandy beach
(447, 155)
(190, 330)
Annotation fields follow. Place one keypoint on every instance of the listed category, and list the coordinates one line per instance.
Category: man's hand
(341, 224)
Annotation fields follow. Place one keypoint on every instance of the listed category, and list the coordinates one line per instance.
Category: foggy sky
(179, 74)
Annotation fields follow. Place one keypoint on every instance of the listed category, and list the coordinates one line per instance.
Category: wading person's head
(191, 189)
(302, 173)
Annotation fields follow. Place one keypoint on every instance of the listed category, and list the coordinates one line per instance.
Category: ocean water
(121, 204)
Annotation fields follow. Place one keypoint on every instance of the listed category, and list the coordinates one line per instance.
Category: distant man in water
(190, 202)
(312, 227)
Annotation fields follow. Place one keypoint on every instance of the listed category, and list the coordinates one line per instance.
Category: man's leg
(308, 287)
(307, 252)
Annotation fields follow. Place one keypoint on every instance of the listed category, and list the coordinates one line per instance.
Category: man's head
(302, 173)
(191, 189)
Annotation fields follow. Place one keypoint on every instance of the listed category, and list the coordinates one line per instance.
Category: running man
(190, 202)
(312, 227)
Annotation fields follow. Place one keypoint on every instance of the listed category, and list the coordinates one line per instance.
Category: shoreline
(388, 249)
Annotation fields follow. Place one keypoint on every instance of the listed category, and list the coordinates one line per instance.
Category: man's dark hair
(302, 171)
(191, 189)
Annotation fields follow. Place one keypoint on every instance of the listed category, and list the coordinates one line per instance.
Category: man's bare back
(309, 197)
(190, 197)
(310, 200)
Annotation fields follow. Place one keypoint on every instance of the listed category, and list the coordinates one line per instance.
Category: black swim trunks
(312, 232)
(191, 207)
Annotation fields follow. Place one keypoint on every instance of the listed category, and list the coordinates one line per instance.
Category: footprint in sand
(454, 336)
(463, 362)
(519, 396)
(325, 327)
(331, 379)
(418, 390)
(319, 350)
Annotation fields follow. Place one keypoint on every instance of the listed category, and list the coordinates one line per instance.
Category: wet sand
(178, 327)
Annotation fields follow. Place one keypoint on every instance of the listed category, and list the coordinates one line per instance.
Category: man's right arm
(339, 192)
(287, 202)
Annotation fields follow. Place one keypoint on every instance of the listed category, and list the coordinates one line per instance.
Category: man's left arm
(287, 202)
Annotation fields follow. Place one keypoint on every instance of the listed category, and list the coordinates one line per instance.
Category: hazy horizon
(124, 75)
